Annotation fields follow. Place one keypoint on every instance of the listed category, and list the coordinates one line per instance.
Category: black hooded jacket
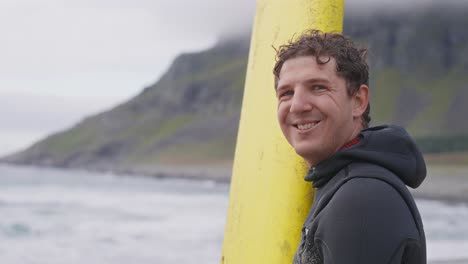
(363, 212)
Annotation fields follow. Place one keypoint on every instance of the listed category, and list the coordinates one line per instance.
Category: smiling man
(362, 211)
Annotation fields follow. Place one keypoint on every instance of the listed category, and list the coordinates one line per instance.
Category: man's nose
(301, 102)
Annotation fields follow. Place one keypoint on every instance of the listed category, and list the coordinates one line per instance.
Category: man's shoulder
(374, 201)
(367, 213)
(373, 172)
(367, 189)
(362, 186)
(371, 185)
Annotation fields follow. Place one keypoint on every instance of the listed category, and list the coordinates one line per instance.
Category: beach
(445, 183)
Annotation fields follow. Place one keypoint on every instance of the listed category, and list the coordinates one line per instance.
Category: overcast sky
(62, 60)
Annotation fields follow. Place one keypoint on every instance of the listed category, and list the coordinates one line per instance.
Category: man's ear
(360, 100)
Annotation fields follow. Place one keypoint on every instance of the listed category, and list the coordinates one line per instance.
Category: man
(362, 211)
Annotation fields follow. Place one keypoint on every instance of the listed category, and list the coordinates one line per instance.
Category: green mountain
(189, 118)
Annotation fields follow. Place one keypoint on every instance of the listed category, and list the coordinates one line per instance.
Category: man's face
(315, 112)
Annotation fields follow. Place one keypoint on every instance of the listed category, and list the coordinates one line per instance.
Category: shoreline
(454, 261)
(444, 183)
(449, 200)
(437, 185)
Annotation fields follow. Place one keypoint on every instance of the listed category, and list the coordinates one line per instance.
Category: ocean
(52, 216)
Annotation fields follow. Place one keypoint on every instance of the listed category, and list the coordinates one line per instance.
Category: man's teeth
(307, 126)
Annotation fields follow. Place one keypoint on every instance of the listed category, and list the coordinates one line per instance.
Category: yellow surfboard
(269, 199)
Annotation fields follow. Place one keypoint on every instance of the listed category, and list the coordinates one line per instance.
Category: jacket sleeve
(367, 221)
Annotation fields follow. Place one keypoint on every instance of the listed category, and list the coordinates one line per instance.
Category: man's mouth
(306, 126)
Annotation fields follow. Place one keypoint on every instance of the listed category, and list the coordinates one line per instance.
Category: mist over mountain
(189, 117)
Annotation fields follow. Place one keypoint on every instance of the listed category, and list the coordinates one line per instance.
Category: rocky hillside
(419, 64)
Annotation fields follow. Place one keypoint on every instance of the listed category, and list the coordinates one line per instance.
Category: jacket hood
(387, 146)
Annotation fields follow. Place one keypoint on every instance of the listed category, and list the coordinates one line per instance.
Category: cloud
(368, 6)
(43, 112)
(76, 35)
(125, 34)
(28, 117)
(211, 15)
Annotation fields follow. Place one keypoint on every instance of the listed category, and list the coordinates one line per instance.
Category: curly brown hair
(350, 59)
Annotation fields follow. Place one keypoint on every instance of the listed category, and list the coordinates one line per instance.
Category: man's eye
(287, 93)
(319, 87)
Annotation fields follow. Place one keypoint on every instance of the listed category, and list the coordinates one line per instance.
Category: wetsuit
(363, 212)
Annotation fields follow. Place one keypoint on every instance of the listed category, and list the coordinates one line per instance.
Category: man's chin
(307, 154)
(311, 156)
